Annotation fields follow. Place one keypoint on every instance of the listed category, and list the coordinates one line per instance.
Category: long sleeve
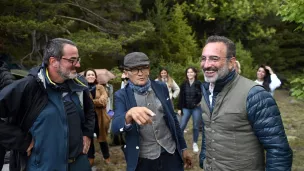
(11, 101)
(275, 82)
(101, 97)
(266, 121)
(175, 89)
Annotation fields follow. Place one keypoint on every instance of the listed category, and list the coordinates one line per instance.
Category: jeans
(197, 120)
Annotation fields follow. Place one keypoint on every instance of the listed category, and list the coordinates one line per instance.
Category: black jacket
(22, 102)
(5, 76)
(182, 94)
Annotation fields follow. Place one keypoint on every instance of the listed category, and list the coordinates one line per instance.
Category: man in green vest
(241, 119)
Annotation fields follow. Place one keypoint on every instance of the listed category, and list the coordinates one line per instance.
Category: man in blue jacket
(143, 111)
(241, 119)
(50, 114)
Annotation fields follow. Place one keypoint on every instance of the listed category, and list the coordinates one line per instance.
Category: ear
(126, 73)
(53, 62)
(231, 63)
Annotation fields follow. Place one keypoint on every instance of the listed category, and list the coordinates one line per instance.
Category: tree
(293, 11)
(173, 39)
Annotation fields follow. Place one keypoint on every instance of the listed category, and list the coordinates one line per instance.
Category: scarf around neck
(140, 89)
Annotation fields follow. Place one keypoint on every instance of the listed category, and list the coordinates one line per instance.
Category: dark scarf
(219, 85)
(140, 89)
(92, 89)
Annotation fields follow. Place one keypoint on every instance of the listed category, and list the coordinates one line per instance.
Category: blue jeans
(197, 120)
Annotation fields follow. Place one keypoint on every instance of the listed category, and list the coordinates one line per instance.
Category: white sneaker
(195, 148)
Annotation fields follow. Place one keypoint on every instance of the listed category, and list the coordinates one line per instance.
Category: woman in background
(173, 88)
(189, 104)
(99, 97)
(267, 78)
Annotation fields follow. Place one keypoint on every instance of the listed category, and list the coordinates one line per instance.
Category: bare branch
(101, 18)
(84, 21)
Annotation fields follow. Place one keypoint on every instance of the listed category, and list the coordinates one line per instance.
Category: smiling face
(138, 75)
(191, 74)
(215, 64)
(90, 76)
(261, 73)
(66, 68)
(164, 74)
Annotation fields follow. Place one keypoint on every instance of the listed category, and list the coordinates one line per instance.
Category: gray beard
(221, 73)
(66, 76)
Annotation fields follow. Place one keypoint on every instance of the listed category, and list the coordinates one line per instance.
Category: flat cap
(135, 59)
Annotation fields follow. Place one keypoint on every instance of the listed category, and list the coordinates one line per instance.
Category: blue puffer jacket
(266, 121)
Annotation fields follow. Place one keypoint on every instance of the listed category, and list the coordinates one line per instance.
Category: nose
(205, 64)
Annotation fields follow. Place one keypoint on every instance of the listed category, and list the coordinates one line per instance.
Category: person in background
(242, 120)
(267, 78)
(189, 104)
(173, 88)
(100, 100)
(143, 110)
(124, 80)
(51, 114)
(6, 78)
(237, 67)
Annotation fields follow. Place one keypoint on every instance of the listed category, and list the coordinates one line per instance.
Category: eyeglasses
(124, 79)
(73, 61)
(211, 58)
(143, 69)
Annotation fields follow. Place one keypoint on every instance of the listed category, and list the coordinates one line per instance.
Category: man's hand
(29, 149)
(86, 144)
(141, 115)
(187, 160)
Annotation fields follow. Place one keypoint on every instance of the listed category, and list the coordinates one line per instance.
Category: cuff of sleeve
(127, 127)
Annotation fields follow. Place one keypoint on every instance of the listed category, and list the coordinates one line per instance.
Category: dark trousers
(2, 154)
(103, 147)
(81, 164)
(165, 162)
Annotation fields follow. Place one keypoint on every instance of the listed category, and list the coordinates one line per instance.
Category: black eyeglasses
(143, 69)
(124, 79)
(73, 61)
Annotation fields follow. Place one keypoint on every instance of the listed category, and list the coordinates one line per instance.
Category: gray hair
(231, 49)
(54, 48)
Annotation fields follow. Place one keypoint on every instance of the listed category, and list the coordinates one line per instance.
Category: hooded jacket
(24, 101)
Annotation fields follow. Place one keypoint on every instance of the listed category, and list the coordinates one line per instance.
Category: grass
(292, 112)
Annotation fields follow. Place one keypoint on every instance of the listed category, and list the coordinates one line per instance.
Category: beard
(219, 73)
(66, 74)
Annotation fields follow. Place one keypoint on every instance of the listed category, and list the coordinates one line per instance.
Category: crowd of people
(49, 119)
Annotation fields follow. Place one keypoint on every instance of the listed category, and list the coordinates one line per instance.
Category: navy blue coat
(124, 100)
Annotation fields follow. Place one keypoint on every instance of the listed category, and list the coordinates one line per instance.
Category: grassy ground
(292, 112)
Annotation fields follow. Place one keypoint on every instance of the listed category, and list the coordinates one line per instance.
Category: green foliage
(173, 39)
(246, 61)
(293, 11)
(297, 89)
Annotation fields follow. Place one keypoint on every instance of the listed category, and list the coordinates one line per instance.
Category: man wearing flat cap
(143, 110)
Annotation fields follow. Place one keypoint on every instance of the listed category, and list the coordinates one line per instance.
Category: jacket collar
(220, 84)
(76, 85)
